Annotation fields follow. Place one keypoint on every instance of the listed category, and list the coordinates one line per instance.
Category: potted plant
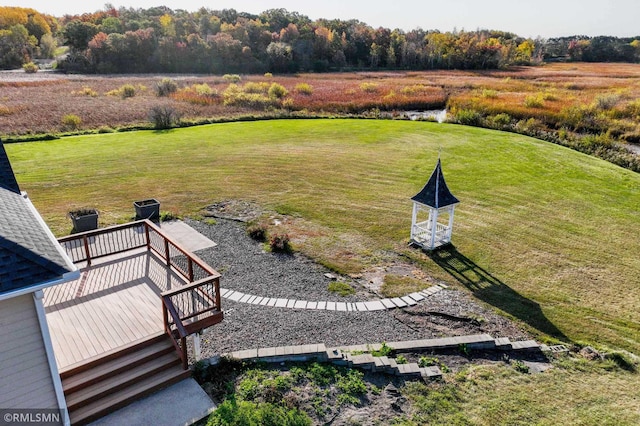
(84, 219)
(147, 209)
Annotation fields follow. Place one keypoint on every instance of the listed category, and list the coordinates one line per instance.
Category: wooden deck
(115, 301)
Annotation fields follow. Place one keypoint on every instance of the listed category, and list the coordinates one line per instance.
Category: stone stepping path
(192, 240)
(359, 356)
(371, 305)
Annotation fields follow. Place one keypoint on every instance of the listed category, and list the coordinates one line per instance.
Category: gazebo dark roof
(435, 193)
(29, 254)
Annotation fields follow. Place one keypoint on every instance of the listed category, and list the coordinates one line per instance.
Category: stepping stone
(300, 304)
(525, 345)
(416, 296)
(246, 354)
(399, 302)
(411, 369)
(236, 296)
(257, 300)
(388, 304)
(281, 303)
(224, 292)
(322, 305)
(331, 306)
(312, 305)
(265, 301)
(432, 372)
(503, 343)
(245, 298)
(375, 305)
(360, 306)
(290, 303)
(364, 361)
(272, 302)
(341, 306)
(409, 301)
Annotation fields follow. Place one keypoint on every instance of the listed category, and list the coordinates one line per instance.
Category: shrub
(5, 110)
(163, 117)
(607, 101)
(277, 91)
(234, 95)
(369, 87)
(204, 90)
(71, 122)
(30, 68)
(257, 231)
(128, 91)
(520, 366)
(490, 94)
(536, 101)
(304, 89)
(232, 78)
(280, 243)
(401, 359)
(501, 120)
(252, 87)
(165, 87)
(468, 117)
(86, 91)
(125, 91)
(341, 288)
(268, 74)
(385, 350)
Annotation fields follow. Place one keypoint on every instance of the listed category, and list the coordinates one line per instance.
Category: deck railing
(186, 310)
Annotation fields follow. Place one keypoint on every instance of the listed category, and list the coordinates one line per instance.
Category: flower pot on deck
(147, 209)
(84, 220)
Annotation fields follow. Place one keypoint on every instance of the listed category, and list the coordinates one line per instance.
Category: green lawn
(544, 234)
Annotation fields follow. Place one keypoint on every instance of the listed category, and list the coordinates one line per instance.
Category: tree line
(159, 39)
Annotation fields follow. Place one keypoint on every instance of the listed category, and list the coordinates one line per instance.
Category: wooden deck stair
(103, 385)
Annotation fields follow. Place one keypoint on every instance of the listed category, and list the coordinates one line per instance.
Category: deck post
(217, 288)
(146, 232)
(185, 360)
(85, 240)
(166, 252)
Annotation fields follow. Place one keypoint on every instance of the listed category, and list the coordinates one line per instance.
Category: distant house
(31, 259)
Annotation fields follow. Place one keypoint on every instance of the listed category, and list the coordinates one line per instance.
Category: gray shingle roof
(7, 178)
(435, 193)
(29, 256)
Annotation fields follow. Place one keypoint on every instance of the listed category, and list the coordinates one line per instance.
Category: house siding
(26, 380)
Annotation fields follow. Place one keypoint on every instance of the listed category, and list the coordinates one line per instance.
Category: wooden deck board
(114, 302)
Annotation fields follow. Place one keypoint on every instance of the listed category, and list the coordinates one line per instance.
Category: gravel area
(246, 267)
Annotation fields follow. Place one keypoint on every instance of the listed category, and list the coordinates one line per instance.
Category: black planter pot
(84, 221)
(147, 209)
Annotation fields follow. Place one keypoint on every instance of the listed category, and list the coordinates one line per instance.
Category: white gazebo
(436, 201)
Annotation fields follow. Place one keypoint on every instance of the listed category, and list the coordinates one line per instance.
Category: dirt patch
(238, 210)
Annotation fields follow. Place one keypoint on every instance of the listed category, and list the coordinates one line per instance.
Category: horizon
(615, 18)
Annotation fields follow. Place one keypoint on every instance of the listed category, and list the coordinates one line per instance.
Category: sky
(533, 18)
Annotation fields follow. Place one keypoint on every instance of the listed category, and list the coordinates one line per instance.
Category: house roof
(435, 193)
(29, 254)
(7, 178)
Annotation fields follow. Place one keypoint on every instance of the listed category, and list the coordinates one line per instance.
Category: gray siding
(25, 378)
